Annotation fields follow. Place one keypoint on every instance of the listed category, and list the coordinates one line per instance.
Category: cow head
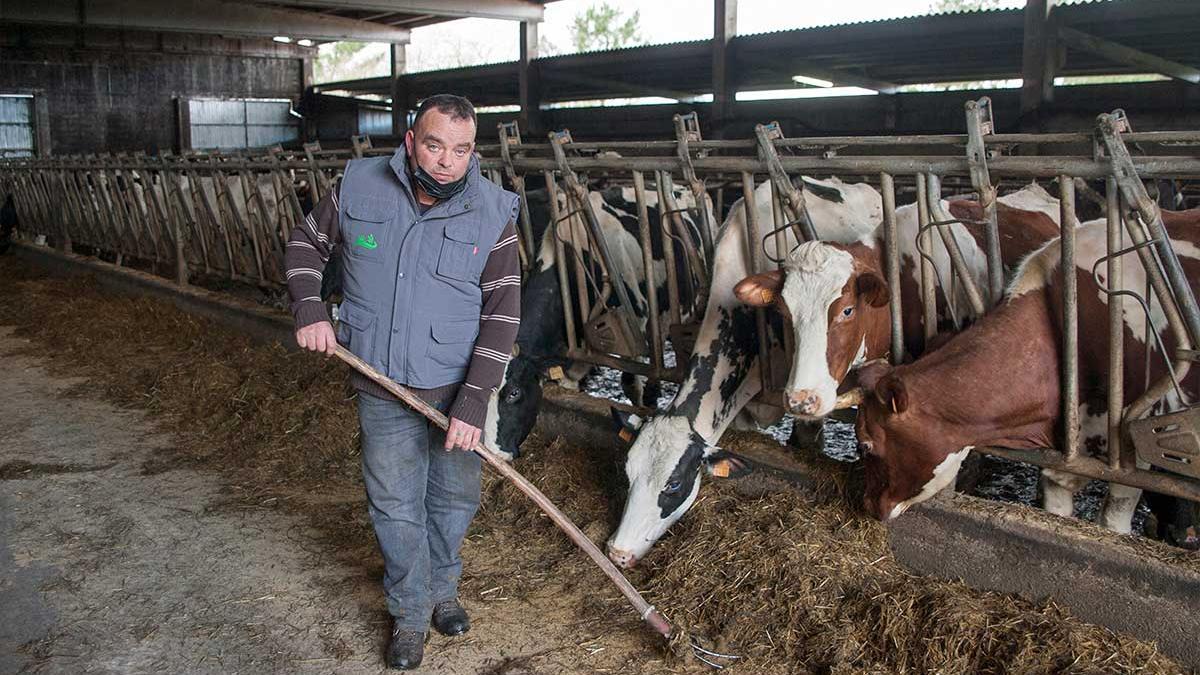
(663, 467)
(836, 301)
(513, 408)
(908, 457)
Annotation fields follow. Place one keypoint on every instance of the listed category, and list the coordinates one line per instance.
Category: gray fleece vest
(410, 281)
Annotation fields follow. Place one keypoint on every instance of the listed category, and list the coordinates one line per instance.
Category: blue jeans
(421, 499)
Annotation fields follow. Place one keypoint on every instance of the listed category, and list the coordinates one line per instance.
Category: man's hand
(317, 337)
(461, 435)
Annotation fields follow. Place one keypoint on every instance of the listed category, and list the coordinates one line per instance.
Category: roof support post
(529, 83)
(399, 62)
(723, 85)
(1039, 60)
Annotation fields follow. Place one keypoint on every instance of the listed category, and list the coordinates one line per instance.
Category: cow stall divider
(228, 215)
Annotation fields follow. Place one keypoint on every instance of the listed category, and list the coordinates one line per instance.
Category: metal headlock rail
(229, 215)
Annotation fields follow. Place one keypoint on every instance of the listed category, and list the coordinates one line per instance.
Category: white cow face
(834, 298)
(663, 467)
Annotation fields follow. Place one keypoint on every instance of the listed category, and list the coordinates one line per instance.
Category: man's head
(442, 138)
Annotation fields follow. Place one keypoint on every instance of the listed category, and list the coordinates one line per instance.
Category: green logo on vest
(367, 241)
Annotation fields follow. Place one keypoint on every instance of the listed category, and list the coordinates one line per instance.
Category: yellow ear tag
(720, 468)
(556, 373)
(767, 295)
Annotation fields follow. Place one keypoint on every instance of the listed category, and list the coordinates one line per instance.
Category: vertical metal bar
(958, 263)
(698, 277)
(781, 250)
(928, 289)
(979, 123)
(656, 336)
(560, 261)
(1070, 300)
(179, 227)
(1116, 326)
(675, 310)
(887, 186)
(754, 265)
(253, 223)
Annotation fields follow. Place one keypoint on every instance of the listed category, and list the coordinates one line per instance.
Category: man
(431, 287)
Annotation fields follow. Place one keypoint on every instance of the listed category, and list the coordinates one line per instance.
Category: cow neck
(995, 384)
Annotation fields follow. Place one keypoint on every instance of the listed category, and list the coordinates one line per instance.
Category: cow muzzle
(623, 559)
(803, 402)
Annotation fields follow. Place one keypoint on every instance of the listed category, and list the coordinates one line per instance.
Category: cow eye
(672, 487)
(513, 395)
(847, 312)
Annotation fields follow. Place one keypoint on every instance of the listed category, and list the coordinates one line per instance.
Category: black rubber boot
(406, 649)
(449, 618)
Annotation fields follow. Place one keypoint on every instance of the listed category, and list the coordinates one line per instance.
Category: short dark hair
(457, 107)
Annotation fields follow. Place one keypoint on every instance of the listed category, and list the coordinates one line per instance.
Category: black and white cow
(541, 340)
(722, 375)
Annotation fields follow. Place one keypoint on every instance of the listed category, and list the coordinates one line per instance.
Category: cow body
(998, 383)
(541, 341)
(722, 374)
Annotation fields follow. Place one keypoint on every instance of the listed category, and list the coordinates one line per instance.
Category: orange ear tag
(720, 468)
(767, 295)
(625, 435)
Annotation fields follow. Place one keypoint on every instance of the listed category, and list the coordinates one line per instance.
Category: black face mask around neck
(432, 187)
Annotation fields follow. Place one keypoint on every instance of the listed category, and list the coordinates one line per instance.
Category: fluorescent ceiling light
(305, 42)
(282, 38)
(811, 81)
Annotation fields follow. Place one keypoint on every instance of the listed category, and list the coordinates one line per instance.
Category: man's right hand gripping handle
(317, 337)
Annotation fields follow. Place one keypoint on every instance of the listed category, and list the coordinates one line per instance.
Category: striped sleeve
(498, 323)
(308, 250)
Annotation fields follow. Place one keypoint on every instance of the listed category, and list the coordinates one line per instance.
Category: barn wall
(115, 91)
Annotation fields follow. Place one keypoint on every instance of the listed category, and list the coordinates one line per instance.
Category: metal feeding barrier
(228, 215)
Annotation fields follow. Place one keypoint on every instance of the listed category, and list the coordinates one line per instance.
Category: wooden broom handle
(644, 609)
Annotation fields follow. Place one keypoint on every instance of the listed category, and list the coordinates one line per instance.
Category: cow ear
(872, 288)
(725, 464)
(759, 290)
(872, 372)
(892, 393)
(628, 424)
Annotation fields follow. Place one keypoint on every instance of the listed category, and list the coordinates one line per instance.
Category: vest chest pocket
(459, 257)
(364, 227)
(356, 330)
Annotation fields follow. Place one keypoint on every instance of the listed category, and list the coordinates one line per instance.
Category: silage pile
(792, 584)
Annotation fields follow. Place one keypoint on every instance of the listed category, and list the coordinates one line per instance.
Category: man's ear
(759, 290)
(409, 141)
(872, 288)
(725, 464)
(892, 393)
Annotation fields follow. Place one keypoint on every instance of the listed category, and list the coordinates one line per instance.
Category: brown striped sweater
(308, 251)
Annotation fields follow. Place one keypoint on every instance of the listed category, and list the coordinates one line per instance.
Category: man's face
(441, 145)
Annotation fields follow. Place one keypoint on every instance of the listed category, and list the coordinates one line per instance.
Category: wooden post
(1037, 63)
(528, 80)
(724, 30)
(399, 61)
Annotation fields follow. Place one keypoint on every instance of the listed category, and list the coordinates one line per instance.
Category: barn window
(17, 137)
(231, 124)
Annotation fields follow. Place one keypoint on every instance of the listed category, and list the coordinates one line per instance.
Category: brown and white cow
(835, 296)
(998, 383)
